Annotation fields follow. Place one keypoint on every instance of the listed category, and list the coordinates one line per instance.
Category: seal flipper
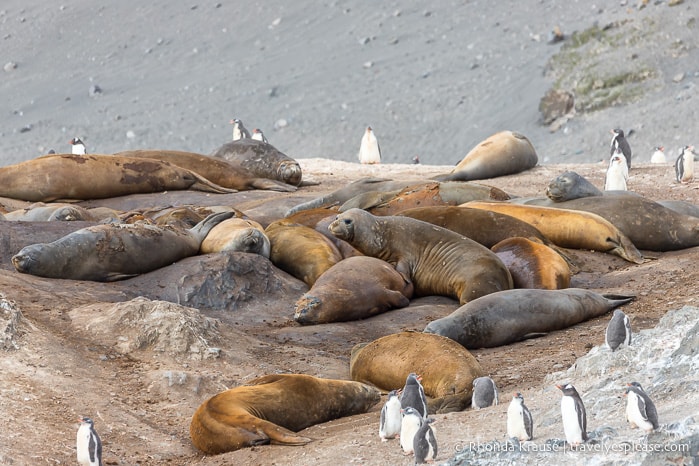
(626, 250)
(272, 185)
(203, 184)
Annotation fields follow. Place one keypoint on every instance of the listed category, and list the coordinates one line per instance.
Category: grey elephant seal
(509, 316)
(110, 252)
(570, 185)
(262, 160)
(40, 212)
(503, 153)
(270, 409)
(437, 261)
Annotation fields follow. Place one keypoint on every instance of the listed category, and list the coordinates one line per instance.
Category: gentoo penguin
(413, 395)
(88, 443)
(78, 146)
(416, 160)
(369, 151)
(620, 142)
(391, 418)
(425, 443)
(658, 155)
(485, 393)
(617, 173)
(684, 165)
(239, 131)
(258, 135)
(618, 330)
(410, 424)
(519, 419)
(640, 410)
(573, 414)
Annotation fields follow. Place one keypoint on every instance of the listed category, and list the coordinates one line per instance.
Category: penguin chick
(485, 393)
(618, 330)
(78, 147)
(640, 410)
(519, 419)
(239, 131)
(413, 395)
(258, 135)
(425, 443)
(410, 424)
(617, 173)
(88, 444)
(369, 150)
(389, 426)
(574, 415)
(620, 142)
(658, 155)
(684, 165)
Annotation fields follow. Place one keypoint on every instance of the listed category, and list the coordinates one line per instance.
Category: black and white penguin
(416, 160)
(573, 414)
(88, 444)
(369, 150)
(413, 395)
(410, 425)
(640, 410)
(258, 135)
(617, 173)
(519, 420)
(684, 165)
(78, 147)
(620, 142)
(239, 131)
(485, 393)
(658, 155)
(425, 443)
(391, 418)
(618, 330)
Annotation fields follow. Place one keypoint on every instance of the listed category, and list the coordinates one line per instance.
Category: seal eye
(347, 221)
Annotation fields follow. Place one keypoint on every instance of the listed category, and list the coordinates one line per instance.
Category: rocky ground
(141, 373)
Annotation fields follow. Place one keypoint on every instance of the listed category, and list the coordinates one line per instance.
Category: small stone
(94, 90)
(368, 64)
(130, 134)
(364, 40)
(25, 128)
(9, 66)
(393, 41)
(678, 77)
(281, 123)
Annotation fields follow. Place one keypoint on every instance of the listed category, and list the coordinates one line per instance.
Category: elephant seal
(354, 288)
(509, 316)
(301, 251)
(482, 226)
(570, 185)
(41, 212)
(270, 409)
(447, 368)
(110, 252)
(437, 261)
(532, 264)
(503, 153)
(569, 228)
(67, 176)
(261, 159)
(214, 169)
(237, 234)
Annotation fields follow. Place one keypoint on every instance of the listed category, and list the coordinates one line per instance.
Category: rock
(557, 103)
(10, 320)
(94, 90)
(9, 66)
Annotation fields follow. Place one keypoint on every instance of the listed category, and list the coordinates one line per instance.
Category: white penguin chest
(409, 428)
(392, 419)
(515, 421)
(634, 414)
(571, 424)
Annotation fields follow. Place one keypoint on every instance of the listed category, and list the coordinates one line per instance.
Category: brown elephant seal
(237, 234)
(270, 409)
(569, 228)
(354, 288)
(214, 169)
(509, 316)
(570, 185)
(67, 176)
(482, 226)
(301, 251)
(437, 261)
(41, 212)
(532, 264)
(447, 368)
(113, 251)
(261, 159)
(503, 153)
(424, 194)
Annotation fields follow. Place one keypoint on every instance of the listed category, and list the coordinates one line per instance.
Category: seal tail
(203, 228)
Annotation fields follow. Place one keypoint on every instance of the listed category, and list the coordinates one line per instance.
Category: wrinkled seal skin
(40, 212)
(112, 252)
(570, 185)
(354, 288)
(503, 153)
(237, 234)
(272, 408)
(569, 228)
(215, 169)
(92, 176)
(509, 316)
(532, 264)
(437, 261)
(261, 159)
(447, 368)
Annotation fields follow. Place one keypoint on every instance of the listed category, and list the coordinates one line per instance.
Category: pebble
(678, 77)
(130, 134)
(94, 90)
(9, 66)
